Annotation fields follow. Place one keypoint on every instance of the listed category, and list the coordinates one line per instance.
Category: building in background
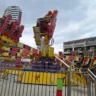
(79, 45)
(15, 11)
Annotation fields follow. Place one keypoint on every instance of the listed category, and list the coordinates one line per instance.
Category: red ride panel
(15, 49)
(16, 38)
(12, 30)
(13, 54)
(53, 24)
(26, 47)
(85, 59)
(1, 51)
(18, 63)
(9, 32)
(48, 26)
(7, 20)
(15, 24)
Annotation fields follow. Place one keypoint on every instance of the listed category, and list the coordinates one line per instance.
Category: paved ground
(10, 87)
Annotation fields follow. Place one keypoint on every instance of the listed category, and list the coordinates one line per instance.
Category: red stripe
(59, 93)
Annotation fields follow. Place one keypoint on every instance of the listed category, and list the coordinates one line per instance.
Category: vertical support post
(42, 43)
(95, 87)
(89, 86)
(59, 87)
(69, 82)
(73, 47)
(47, 50)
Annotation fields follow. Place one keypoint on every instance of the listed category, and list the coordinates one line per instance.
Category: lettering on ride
(37, 77)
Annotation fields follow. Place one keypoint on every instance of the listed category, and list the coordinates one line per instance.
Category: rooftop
(80, 40)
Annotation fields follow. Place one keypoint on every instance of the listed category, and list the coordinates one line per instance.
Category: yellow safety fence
(46, 78)
(79, 79)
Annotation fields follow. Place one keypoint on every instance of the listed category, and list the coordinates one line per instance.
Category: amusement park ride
(44, 64)
(10, 47)
(10, 32)
(13, 51)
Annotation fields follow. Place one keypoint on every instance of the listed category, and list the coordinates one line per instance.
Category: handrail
(92, 74)
(62, 61)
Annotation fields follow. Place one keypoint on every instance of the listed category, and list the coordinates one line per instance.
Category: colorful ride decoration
(47, 78)
(21, 51)
(45, 27)
(88, 61)
(10, 47)
(50, 52)
(4, 21)
(10, 32)
(43, 32)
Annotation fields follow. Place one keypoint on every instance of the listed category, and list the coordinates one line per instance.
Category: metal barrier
(19, 82)
(86, 83)
(92, 83)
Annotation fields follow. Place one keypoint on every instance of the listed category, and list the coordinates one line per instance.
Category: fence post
(59, 86)
(69, 82)
(95, 87)
(89, 86)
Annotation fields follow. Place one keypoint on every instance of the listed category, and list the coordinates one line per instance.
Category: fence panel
(17, 82)
(81, 84)
(31, 83)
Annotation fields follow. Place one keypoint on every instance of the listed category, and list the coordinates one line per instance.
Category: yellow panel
(20, 45)
(5, 48)
(21, 50)
(5, 54)
(67, 57)
(13, 57)
(94, 63)
(44, 51)
(7, 39)
(6, 58)
(42, 78)
(46, 39)
(77, 58)
(51, 51)
(78, 78)
(31, 50)
(4, 44)
(37, 35)
(18, 54)
(46, 78)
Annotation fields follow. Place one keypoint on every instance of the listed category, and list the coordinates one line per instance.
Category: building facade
(15, 11)
(79, 45)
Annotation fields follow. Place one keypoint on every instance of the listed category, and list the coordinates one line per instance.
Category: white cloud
(27, 37)
(75, 20)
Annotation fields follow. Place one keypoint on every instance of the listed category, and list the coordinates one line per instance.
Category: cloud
(28, 37)
(75, 20)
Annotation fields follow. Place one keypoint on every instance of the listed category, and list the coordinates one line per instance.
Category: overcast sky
(76, 18)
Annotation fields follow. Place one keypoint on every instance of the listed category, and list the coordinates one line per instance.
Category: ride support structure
(43, 31)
